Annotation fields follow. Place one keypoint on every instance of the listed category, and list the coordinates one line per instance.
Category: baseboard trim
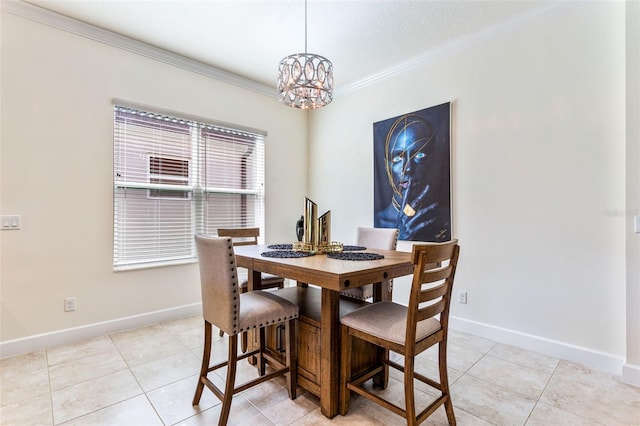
(42, 341)
(631, 374)
(597, 360)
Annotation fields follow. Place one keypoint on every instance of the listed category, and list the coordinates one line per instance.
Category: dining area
(332, 329)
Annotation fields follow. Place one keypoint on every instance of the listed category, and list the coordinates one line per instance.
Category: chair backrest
(433, 274)
(219, 282)
(377, 238)
(241, 236)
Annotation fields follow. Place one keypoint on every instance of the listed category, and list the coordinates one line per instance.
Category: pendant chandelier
(305, 80)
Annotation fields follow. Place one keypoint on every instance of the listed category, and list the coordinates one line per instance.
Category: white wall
(632, 367)
(56, 172)
(538, 174)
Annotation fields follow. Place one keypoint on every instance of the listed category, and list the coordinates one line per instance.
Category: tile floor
(147, 376)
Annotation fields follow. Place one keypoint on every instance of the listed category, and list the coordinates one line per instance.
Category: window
(175, 177)
(165, 170)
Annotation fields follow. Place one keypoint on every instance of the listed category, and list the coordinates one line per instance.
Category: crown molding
(459, 44)
(65, 23)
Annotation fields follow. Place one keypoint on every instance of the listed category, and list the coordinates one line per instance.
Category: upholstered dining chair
(374, 238)
(224, 306)
(249, 236)
(407, 331)
(244, 237)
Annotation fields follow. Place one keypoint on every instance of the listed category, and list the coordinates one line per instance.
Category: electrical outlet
(69, 304)
(462, 297)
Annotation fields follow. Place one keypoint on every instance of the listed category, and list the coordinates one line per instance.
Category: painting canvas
(412, 174)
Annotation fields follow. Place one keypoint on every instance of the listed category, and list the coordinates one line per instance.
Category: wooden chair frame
(226, 396)
(428, 270)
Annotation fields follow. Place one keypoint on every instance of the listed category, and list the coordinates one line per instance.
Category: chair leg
(409, 396)
(206, 355)
(231, 380)
(291, 355)
(381, 380)
(244, 341)
(345, 370)
(444, 382)
(262, 362)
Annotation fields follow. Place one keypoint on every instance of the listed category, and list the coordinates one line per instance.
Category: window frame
(216, 200)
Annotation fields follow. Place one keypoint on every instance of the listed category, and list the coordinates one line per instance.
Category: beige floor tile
(194, 338)
(492, 403)
(282, 410)
(173, 402)
(25, 386)
(266, 394)
(152, 332)
(136, 411)
(83, 398)
(244, 372)
(144, 350)
(526, 358)
(439, 418)
(428, 368)
(394, 393)
(164, 371)
(365, 412)
(194, 322)
(67, 353)
(460, 358)
(242, 413)
(220, 350)
(362, 412)
(523, 380)
(87, 368)
(34, 412)
(470, 341)
(315, 417)
(23, 364)
(597, 396)
(544, 415)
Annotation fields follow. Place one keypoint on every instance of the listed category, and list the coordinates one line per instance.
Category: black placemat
(280, 246)
(353, 248)
(355, 256)
(285, 254)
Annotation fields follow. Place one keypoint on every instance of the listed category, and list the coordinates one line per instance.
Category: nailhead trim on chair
(235, 285)
(269, 322)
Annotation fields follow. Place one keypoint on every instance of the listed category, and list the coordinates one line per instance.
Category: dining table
(332, 276)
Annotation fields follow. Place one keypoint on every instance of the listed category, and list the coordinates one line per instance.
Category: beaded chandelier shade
(305, 80)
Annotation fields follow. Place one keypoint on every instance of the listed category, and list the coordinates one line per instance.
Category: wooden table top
(333, 274)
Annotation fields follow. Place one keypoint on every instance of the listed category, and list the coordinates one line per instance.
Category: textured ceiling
(249, 38)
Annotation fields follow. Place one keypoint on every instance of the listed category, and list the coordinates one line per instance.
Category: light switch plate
(10, 222)
(636, 224)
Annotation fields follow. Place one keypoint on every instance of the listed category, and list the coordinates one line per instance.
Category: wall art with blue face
(412, 174)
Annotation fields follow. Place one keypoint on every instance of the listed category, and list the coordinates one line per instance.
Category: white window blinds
(175, 177)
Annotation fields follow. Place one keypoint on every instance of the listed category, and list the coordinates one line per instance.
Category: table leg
(254, 283)
(330, 353)
(254, 280)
